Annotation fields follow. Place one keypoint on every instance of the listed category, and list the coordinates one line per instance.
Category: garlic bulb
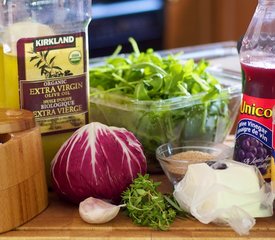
(93, 210)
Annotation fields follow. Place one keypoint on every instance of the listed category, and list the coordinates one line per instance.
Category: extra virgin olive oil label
(254, 134)
(53, 80)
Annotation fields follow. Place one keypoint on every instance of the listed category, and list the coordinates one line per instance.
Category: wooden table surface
(62, 221)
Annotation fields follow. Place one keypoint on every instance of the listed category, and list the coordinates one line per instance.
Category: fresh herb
(47, 65)
(149, 207)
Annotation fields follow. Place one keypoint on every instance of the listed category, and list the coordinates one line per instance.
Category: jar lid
(15, 120)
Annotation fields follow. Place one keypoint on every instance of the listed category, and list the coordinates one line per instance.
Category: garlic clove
(93, 210)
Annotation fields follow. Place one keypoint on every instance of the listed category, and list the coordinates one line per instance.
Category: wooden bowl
(23, 189)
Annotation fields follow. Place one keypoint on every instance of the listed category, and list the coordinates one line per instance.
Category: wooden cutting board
(61, 221)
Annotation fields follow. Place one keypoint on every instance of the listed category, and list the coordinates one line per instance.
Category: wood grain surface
(23, 190)
(15, 120)
(61, 220)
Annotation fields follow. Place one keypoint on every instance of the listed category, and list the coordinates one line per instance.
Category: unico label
(254, 134)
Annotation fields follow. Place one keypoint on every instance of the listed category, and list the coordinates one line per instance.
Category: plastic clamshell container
(177, 119)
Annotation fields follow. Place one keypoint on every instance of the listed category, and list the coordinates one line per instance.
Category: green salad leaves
(148, 76)
(159, 98)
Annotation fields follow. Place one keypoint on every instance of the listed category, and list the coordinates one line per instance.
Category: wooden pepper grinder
(23, 189)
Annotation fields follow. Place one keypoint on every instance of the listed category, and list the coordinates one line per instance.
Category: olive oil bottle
(44, 65)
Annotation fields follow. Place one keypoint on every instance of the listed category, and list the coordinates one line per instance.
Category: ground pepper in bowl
(175, 159)
(183, 159)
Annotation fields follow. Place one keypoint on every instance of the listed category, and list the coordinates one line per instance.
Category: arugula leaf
(141, 92)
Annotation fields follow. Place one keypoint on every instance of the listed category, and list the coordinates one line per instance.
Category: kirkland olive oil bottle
(44, 65)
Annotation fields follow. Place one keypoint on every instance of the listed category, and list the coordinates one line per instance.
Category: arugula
(158, 98)
(149, 207)
(148, 76)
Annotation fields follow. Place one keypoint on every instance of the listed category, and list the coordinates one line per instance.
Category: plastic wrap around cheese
(224, 191)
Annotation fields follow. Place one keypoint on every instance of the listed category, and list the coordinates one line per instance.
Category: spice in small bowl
(174, 159)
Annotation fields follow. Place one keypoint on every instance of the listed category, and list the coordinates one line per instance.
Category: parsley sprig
(149, 207)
